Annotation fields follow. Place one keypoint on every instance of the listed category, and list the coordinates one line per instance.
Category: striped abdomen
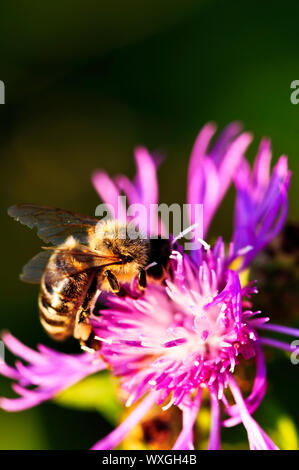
(61, 296)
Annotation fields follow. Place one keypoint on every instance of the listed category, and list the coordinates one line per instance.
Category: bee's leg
(91, 344)
(112, 281)
(94, 299)
(83, 329)
(142, 279)
(83, 332)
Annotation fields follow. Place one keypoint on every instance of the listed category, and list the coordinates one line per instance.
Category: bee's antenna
(243, 251)
(204, 244)
(184, 232)
(154, 263)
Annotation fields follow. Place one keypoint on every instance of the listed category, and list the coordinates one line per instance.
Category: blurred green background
(88, 81)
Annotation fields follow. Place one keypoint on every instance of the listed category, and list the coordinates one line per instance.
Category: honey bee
(88, 256)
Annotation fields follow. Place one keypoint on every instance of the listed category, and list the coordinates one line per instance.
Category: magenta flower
(189, 333)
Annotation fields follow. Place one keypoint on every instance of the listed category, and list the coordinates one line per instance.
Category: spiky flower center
(179, 337)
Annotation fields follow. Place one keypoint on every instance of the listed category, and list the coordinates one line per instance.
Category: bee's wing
(34, 269)
(53, 225)
(73, 261)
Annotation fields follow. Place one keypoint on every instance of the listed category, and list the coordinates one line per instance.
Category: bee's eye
(128, 259)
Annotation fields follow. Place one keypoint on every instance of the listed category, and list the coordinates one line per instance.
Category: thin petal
(258, 439)
(257, 393)
(214, 439)
(117, 435)
(276, 344)
(48, 371)
(280, 329)
(146, 178)
(109, 193)
(190, 412)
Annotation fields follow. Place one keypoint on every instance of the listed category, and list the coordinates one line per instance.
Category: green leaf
(95, 393)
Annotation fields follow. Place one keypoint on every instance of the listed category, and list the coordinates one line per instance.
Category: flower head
(177, 340)
(185, 336)
(182, 336)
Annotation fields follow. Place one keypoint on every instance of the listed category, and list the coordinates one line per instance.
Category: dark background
(88, 81)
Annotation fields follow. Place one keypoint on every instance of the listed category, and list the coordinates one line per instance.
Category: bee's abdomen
(59, 301)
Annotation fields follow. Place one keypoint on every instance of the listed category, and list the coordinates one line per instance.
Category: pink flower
(189, 333)
(194, 342)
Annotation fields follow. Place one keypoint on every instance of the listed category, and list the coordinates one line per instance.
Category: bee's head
(120, 239)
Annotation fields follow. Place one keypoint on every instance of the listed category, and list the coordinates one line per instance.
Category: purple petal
(220, 146)
(190, 412)
(109, 193)
(200, 149)
(258, 439)
(210, 173)
(117, 435)
(232, 160)
(257, 393)
(146, 178)
(274, 343)
(214, 439)
(19, 349)
(261, 204)
(280, 329)
(48, 371)
(261, 167)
